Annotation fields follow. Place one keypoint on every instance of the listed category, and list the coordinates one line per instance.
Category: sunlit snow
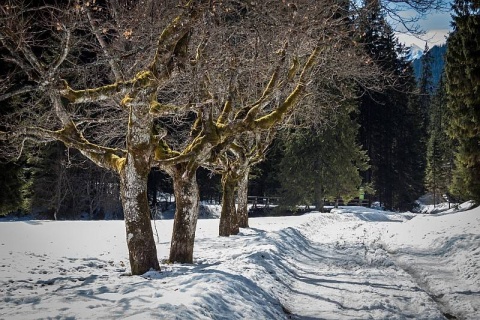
(351, 263)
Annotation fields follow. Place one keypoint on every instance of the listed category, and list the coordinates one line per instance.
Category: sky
(436, 26)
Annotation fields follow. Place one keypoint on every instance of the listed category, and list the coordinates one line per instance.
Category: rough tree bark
(133, 184)
(187, 200)
(242, 199)
(140, 241)
(228, 218)
(246, 151)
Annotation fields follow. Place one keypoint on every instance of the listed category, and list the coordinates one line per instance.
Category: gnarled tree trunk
(228, 221)
(242, 195)
(187, 201)
(140, 241)
(133, 187)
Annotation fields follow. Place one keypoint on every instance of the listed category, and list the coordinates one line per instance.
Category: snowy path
(443, 256)
(341, 288)
(353, 280)
(453, 299)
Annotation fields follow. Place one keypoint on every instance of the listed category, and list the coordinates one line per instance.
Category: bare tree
(180, 71)
(47, 43)
(247, 150)
(66, 36)
(98, 77)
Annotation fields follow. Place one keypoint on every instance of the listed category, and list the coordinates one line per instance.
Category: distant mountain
(438, 64)
(415, 53)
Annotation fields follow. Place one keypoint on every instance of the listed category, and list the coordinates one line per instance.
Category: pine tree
(323, 163)
(439, 147)
(264, 177)
(14, 186)
(391, 126)
(63, 185)
(463, 88)
(425, 85)
(408, 138)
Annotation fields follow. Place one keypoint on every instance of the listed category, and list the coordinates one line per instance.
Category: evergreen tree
(49, 182)
(62, 185)
(410, 160)
(14, 186)
(463, 88)
(264, 177)
(391, 126)
(425, 85)
(439, 147)
(322, 163)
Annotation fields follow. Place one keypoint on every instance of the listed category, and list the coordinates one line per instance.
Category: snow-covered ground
(351, 263)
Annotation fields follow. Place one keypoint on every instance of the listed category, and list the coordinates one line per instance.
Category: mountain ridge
(437, 64)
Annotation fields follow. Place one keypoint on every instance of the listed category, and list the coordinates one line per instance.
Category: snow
(351, 263)
(415, 52)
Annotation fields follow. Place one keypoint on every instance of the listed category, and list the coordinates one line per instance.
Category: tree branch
(109, 158)
(143, 79)
(23, 90)
(252, 110)
(113, 64)
(172, 38)
(274, 117)
(63, 56)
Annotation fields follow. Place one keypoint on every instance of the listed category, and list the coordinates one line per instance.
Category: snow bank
(445, 207)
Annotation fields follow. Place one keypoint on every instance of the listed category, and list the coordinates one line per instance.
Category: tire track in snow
(348, 277)
(442, 305)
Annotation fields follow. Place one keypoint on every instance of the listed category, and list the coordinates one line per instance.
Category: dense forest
(403, 128)
(109, 110)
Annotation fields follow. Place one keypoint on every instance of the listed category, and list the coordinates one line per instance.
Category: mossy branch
(143, 79)
(95, 94)
(110, 158)
(276, 116)
(208, 138)
(293, 69)
(159, 109)
(173, 41)
(251, 111)
(190, 152)
(164, 152)
(227, 109)
(238, 150)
